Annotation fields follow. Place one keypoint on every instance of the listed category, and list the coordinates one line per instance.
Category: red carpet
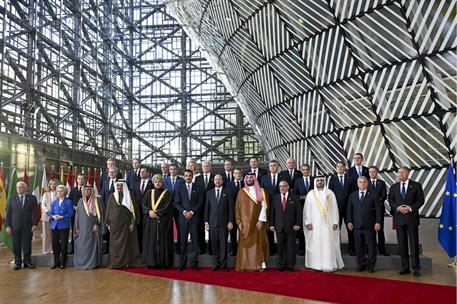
(318, 286)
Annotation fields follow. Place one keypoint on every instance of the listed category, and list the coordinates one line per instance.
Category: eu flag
(447, 230)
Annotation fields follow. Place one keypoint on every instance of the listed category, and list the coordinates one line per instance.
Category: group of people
(136, 215)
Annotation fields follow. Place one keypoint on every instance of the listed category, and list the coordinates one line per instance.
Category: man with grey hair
(364, 215)
(21, 220)
(165, 168)
(291, 174)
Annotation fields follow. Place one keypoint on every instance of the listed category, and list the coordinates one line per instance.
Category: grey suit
(21, 217)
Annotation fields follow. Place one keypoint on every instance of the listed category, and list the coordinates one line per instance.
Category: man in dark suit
(165, 170)
(75, 195)
(133, 176)
(364, 219)
(110, 164)
(219, 218)
(301, 188)
(358, 169)
(286, 218)
(259, 172)
(227, 174)
(138, 190)
(189, 202)
(235, 187)
(172, 183)
(379, 187)
(108, 187)
(21, 220)
(270, 183)
(205, 181)
(291, 174)
(341, 184)
(405, 199)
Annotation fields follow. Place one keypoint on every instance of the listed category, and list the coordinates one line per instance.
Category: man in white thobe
(320, 220)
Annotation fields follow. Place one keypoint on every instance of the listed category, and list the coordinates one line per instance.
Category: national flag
(69, 183)
(25, 179)
(7, 239)
(75, 176)
(44, 182)
(62, 178)
(95, 182)
(53, 173)
(37, 191)
(89, 180)
(2, 196)
(447, 229)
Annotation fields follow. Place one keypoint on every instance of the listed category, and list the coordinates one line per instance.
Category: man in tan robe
(251, 218)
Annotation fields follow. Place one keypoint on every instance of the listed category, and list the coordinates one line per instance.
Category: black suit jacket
(18, 217)
(200, 181)
(75, 195)
(219, 214)
(137, 196)
(105, 193)
(300, 189)
(414, 198)
(234, 189)
(284, 220)
(285, 176)
(352, 173)
(381, 191)
(341, 194)
(225, 178)
(364, 215)
(195, 204)
(261, 172)
(266, 184)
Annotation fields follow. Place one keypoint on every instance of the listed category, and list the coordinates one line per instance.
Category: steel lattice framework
(321, 80)
(116, 78)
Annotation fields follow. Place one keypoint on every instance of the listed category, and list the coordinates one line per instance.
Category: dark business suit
(261, 172)
(364, 214)
(354, 175)
(283, 220)
(342, 196)
(21, 218)
(285, 175)
(137, 196)
(200, 181)
(105, 176)
(133, 178)
(407, 224)
(194, 204)
(234, 232)
(267, 184)
(302, 190)
(381, 191)
(225, 177)
(218, 213)
(75, 195)
(168, 183)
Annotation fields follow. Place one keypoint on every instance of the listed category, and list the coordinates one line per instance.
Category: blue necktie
(403, 190)
(341, 182)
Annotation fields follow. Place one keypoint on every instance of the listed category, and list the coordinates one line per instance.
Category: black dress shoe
(351, 252)
(291, 269)
(54, 266)
(361, 268)
(232, 253)
(301, 252)
(215, 268)
(62, 267)
(406, 271)
(181, 268)
(194, 268)
(370, 270)
(17, 267)
(417, 273)
(225, 269)
(31, 266)
(280, 269)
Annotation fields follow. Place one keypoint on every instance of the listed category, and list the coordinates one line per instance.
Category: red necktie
(284, 201)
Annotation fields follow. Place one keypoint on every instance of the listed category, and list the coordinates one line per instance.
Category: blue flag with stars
(447, 230)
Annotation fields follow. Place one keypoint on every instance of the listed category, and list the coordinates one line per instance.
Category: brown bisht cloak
(123, 247)
(253, 244)
(158, 244)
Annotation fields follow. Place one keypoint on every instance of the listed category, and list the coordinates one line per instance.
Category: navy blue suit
(169, 185)
(354, 175)
(194, 204)
(200, 181)
(342, 196)
(218, 213)
(285, 175)
(60, 229)
(133, 178)
(380, 189)
(225, 177)
(364, 214)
